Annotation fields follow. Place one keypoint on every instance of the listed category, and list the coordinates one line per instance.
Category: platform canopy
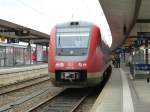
(143, 19)
(122, 16)
(11, 30)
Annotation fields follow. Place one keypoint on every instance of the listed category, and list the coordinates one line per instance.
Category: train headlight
(84, 64)
(59, 65)
(80, 64)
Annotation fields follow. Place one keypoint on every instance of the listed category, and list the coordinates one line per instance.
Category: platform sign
(22, 32)
(12, 40)
(143, 35)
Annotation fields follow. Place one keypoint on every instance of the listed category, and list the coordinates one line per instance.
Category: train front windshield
(72, 41)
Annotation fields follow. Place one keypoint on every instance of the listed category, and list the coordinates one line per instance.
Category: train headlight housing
(59, 64)
(80, 64)
(84, 64)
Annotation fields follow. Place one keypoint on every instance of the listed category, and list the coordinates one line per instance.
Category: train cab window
(72, 42)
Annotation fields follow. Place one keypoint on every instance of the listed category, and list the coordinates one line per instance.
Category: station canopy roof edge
(127, 19)
(25, 34)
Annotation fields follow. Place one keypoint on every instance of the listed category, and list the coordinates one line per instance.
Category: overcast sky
(42, 15)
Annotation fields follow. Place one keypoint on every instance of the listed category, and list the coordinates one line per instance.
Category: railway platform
(10, 75)
(122, 93)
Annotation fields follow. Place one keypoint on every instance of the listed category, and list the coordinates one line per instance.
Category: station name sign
(12, 40)
(144, 35)
(142, 38)
(17, 31)
(22, 32)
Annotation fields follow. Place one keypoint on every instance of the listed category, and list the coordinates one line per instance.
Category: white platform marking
(127, 98)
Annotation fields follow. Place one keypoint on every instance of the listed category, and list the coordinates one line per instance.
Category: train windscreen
(72, 41)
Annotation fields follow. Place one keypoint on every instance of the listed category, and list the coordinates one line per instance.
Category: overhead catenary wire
(32, 8)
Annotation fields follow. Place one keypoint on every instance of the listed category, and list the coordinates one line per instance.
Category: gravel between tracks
(15, 95)
(26, 106)
(87, 104)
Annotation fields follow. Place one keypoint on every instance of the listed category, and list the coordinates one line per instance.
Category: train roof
(74, 24)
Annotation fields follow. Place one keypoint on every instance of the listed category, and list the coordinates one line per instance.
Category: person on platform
(118, 61)
(113, 61)
(34, 57)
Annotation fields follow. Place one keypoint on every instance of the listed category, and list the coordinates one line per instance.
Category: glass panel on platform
(27, 56)
(2, 56)
(9, 56)
(18, 56)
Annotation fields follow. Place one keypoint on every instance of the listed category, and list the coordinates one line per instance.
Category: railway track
(72, 100)
(87, 104)
(18, 96)
(50, 99)
(67, 101)
(23, 84)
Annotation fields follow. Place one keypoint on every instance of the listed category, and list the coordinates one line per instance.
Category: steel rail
(67, 101)
(9, 88)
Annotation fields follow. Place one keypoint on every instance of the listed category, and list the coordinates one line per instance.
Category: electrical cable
(34, 9)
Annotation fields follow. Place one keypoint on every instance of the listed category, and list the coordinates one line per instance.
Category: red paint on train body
(81, 62)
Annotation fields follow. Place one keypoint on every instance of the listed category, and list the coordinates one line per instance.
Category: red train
(77, 55)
